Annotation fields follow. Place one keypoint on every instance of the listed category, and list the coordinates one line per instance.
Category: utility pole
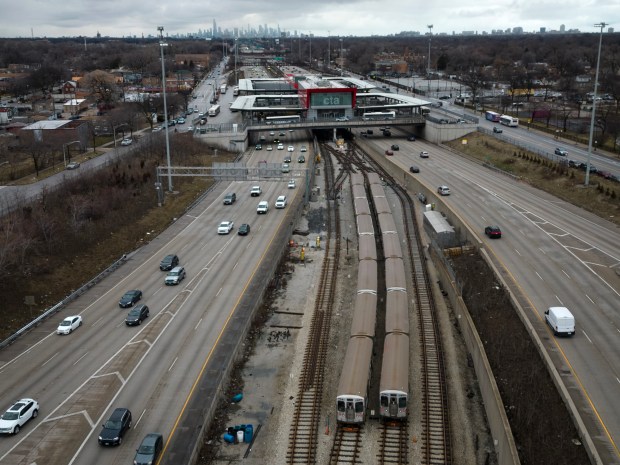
(428, 70)
(162, 44)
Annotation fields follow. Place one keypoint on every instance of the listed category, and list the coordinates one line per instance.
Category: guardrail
(71, 297)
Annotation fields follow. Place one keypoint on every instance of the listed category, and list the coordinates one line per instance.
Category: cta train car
(394, 384)
(365, 226)
(365, 315)
(367, 248)
(352, 397)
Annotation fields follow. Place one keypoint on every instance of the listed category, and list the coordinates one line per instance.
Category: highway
(558, 254)
(80, 378)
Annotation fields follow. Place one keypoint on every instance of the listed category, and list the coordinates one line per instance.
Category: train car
(357, 179)
(374, 178)
(367, 247)
(364, 225)
(352, 395)
(382, 206)
(367, 277)
(364, 315)
(395, 278)
(397, 312)
(394, 384)
(377, 190)
(391, 245)
(386, 223)
(361, 206)
(359, 192)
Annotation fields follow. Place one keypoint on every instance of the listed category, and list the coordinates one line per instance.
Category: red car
(493, 232)
(389, 152)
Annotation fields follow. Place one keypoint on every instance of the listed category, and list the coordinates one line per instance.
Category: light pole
(162, 44)
(328, 50)
(310, 36)
(65, 148)
(428, 70)
(592, 119)
(341, 58)
(236, 82)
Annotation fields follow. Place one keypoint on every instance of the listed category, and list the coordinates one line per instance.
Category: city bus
(425, 111)
(508, 120)
(223, 89)
(214, 110)
(282, 119)
(379, 115)
(492, 116)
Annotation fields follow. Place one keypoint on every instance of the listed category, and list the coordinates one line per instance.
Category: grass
(601, 197)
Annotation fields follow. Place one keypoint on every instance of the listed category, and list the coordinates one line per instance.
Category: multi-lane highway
(79, 378)
(558, 254)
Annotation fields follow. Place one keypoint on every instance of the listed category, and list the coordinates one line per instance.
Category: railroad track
(303, 437)
(394, 444)
(347, 445)
(436, 443)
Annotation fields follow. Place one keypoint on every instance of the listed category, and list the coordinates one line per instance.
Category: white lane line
(218, 292)
(518, 253)
(567, 275)
(77, 361)
(561, 303)
(235, 266)
(50, 359)
(588, 297)
(140, 418)
(173, 362)
(544, 253)
(197, 324)
(539, 276)
(96, 322)
(586, 335)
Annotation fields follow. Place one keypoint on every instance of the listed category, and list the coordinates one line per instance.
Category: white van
(561, 320)
(262, 208)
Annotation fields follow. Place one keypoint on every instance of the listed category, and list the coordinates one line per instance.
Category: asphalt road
(558, 254)
(80, 378)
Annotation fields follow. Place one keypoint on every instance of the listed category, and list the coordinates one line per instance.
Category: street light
(162, 44)
(428, 71)
(328, 51)
(65, 146)
(598, 61)
(236, 81)
(310, 35)
(341, 58)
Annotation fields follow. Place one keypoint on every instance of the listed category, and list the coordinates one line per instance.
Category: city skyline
(74, 18)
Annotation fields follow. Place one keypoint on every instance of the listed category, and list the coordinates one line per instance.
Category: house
(70, 87)
(56, 132)
(74, 106)
(6, 115)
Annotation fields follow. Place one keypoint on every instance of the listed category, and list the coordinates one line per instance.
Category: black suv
(115, 428)
(137, 315)
(169, 262)
(230, 198)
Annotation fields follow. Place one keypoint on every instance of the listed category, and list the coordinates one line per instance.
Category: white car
(269, 148)
(443, 190)
(263, 207)
(292, 184)
(69, 324)
(281, 201)
(303, 148)
(291, 148)
(280, 146)
(127, 141)
(423, 154)
(74, 165)
(17, 415)
(225, 227)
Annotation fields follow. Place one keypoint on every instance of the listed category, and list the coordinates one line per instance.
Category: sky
(122, 18)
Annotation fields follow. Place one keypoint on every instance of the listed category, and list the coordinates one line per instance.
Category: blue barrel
(237, 398)
(249, 432)
(229, 438)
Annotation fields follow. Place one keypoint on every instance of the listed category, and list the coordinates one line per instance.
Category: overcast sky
(58, 18)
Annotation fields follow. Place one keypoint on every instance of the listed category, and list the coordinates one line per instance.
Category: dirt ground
(268, 378)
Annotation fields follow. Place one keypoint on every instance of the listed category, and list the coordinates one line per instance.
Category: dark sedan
(137, 315)
(244, 229)
(130, 298)
(493, 232)
(414, 169)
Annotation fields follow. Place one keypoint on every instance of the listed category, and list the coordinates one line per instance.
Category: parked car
(69, 324)
(127, 141)
(168, 262)
(17, 415)
(149, 450)
(130, 298)
(414, 169)
(560, 152)
(72, 165)
(443, 190)
(225, 227)
(175, 275)
(281, 201)
(137, 315)
(115, 428)
(180, 120)
(244, 229)
(230, 198)
(494, 232)
(423, 154)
